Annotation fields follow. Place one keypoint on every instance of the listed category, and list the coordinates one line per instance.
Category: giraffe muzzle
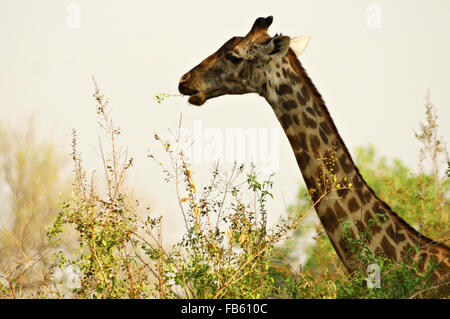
(184, 86)
(195, 97)
(186, 90)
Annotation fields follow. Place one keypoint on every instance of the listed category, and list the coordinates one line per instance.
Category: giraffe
(259, 63)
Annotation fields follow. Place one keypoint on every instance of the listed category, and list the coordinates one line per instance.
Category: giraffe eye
(233, 58)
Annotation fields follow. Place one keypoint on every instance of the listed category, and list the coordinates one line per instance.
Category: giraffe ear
(278, 46)
(299, 44)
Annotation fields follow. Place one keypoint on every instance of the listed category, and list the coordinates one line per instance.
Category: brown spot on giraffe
(359, 225)
(353, 205)
(288, 105)
(367, 196)
(323, 136)
(329, 221)
(340, 212)
(311, 111)
(342, 192)
(347, 167)
(388, 249)
(325, 127)
(305, 93)
(284, 89)
(395, 235)
(286, 121)
(303, 144)
(301, 99)
(314, 140)
(293, 79)
(295, 141)
(309, 122)
(303, 160)
(357, 182)
(360, 196)
(379, 211)
(367, 217)
(318, 113)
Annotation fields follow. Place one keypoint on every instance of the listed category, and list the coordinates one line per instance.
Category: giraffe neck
(345, 203)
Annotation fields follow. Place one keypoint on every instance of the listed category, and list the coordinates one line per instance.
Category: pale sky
(373, 74)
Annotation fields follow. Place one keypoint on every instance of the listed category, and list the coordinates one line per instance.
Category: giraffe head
(238, 67)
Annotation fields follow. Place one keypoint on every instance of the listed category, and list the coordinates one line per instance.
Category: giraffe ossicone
(346, 205)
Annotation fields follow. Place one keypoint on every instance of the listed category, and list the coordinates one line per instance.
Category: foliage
(159, 98)
(30, 184)
(224, 253)
(107, 226)
(227, 249)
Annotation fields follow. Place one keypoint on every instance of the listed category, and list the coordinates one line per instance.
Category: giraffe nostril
(186, 90)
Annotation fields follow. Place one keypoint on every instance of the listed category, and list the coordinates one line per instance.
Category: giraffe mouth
(197, 98)
(200, 98)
